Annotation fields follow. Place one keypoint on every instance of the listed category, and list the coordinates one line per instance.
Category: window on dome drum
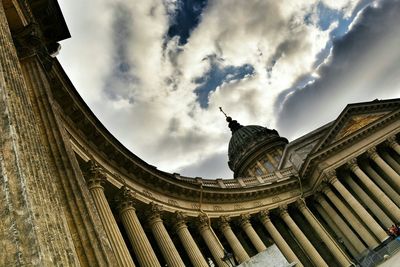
(268, 165)
(259, 171)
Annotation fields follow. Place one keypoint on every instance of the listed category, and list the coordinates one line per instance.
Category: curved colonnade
(333, 220)
(349, 206)
(114, 209)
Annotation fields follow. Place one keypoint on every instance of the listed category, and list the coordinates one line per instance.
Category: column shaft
(359, 209)
(279, 240)
(391, 161)
(337, 231)
(381, 197)
(110, 226)
(141, 245)
(387, 189)
(251, 233)
(325, 237)
(211, 241)
(392, 142)
(369, 202)
(237, 248)
(33, 215)
(302, 239)
(342, 225)
(394, 176)
(164, 241)
(191, 248)
(352, 219)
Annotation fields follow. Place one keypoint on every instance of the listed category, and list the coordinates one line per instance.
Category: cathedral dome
(253, 143)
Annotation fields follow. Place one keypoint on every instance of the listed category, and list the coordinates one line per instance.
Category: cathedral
(73, 195)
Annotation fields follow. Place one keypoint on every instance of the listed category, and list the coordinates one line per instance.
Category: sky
(155, 72)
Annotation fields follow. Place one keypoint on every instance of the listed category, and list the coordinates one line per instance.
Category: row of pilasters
(354, 207)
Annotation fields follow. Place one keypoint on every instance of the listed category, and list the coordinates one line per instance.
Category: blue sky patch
(217, 75)
(186, 19)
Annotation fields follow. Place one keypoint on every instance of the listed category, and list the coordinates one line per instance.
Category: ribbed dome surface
(246, 139)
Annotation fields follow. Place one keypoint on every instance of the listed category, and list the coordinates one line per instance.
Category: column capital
(325, 189)
(180, 220)
(224, 222)
(330, 173)
(264, 216)
(352, 164)
(154, 214)
(125, 199)
(244, 220)
(29, 42)
(301, 204)
(331, 177)
(96, 176)
(283, 212)
(391, 141)
(203, 222)
(372, 153)
(319, 197)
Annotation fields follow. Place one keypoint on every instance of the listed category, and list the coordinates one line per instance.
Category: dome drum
(248, 143)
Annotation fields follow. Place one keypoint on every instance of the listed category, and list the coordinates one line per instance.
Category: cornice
(324, 152)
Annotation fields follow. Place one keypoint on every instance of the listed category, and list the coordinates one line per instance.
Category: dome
(249, 141)
(251, 144)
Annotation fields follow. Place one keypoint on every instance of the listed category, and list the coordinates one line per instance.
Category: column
(387, 189)
(392, 142)
(191, 248)
(237, 248)
(368, 201)
(358, 209)
(95, 185)
(391, 161)
(394, 176)
(211, 240)
(341, 224)
(301, 238)
(33, 214)
(325, 237)
(244, 222)
(381, 197)
(351, 218)
(278, 239)
(162, 237)
(341, 237)
(141, 245)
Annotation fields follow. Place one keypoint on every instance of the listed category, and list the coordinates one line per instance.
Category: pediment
(357, 122)
(356, 118)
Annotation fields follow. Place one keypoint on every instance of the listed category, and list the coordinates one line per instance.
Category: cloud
(363, 65)
(155, 72)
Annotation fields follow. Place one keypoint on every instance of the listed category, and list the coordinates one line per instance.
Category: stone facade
(72, 195)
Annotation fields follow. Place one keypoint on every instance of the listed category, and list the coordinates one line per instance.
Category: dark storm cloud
(209, 167)
(121, 77)
(363, 66)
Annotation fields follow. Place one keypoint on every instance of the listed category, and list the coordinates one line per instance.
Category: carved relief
(173, 202)
(217, 208)
(147, 193)
(355, 123)
(195, 206)
(257, 204)
(238, 207)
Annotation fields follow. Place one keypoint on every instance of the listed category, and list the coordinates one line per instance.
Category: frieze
(147, 193)
(217, 208)
(258, 204)
(173, 202)
(238, 207)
